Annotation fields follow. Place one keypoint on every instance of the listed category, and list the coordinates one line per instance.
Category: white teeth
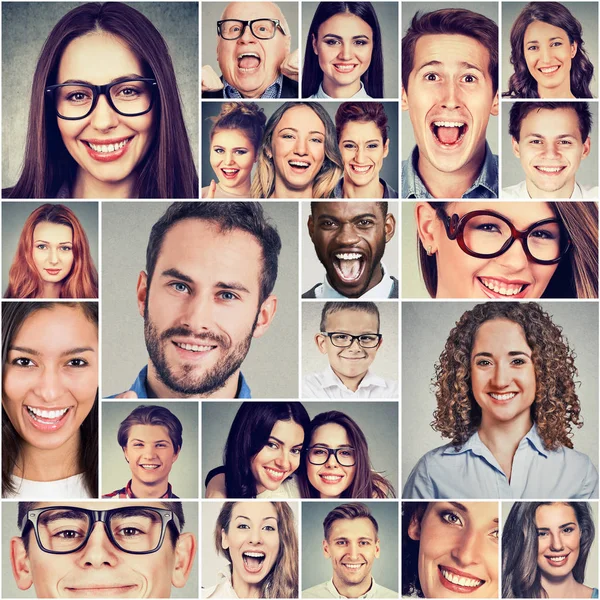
(275, 474)
(506, 289)
(345, 68)
(348, 256)
(298, 163)
(550, 169)
(230, 171)
(107, 148)
(332, 478)
(462, 581)
(503, 397)
(149, 467)
(47, 414)
(448, 123)
(549, 69)
(255, 554)
(355, 567)
(251, 54)
(194, 347)
(557, 558)
(361, 169)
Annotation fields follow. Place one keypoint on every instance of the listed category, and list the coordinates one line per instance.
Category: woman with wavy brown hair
(53, 258)
(506, 398)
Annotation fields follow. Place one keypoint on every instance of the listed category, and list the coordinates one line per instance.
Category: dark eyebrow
(511, 353)
(115, 80)
(59, 243)
(320, 445)
(463, 64)
(178, 274)
(339, 37)
(155, 441)
(236, 287)
(272, 437)
(248, 518)
(24, 349)
(78, 350)
(556, 37)
(460, 506)
(295, 130)
(67, 513)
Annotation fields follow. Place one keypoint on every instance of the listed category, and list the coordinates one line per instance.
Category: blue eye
(180, 287)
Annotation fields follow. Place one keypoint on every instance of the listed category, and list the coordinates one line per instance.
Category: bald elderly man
(253, 51)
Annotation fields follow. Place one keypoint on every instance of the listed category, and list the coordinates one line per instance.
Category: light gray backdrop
(389, 171)
(378, 421)
(317, 569)
(425, 328)
(387, 15)
(585, 12)
(25, 27)
(115, 470)
(10, 529)
(271, 366)
(312, 269)
(14, 215)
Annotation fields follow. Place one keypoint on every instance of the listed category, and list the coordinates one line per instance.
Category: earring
(429, 251)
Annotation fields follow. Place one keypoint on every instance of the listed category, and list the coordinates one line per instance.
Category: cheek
(311, 471)
(69, 130)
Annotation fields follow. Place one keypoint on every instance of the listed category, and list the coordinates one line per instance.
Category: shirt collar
(388, 191)
(382, 290)
(371, 593)
(413, 186)
(273, 91)
(130, 494)
(322, 95)
(330, 379)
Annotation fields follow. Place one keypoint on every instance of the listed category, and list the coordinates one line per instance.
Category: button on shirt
(474, 472)
(327, 384)
(485, 186)
(328, 590)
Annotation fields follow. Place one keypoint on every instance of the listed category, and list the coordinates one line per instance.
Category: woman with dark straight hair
(548, 55)
(545, 547)
(50, 400)
(105, 117)
(336, 67)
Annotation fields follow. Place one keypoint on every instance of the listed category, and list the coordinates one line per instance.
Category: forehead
(353, 529)
(330, 434)
(501, 336)
(551, 123)
(556, 513)
(346, 210)
(246, 11)
(255, 511)
(345, 24)
(301, 118)
(288, 431)
(351, 321)
(98, 58)
(520, 214)
(230, 138)
(538, 30)
(52, 231)
(356, 130)
(148, 432)
(99, 505)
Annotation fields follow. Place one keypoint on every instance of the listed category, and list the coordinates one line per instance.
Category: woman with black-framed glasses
(508, 250)
(105, 118)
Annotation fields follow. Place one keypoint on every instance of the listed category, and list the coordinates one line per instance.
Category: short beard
(186, 384)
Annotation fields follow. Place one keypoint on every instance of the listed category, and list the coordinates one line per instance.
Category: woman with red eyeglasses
(508, 250)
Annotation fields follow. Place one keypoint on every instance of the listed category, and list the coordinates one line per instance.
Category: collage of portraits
(300, 299)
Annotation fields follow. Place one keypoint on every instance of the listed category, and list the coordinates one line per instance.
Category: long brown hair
(24, 280)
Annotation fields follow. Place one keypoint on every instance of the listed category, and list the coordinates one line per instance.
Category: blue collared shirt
(473, 472)
(388, 190)
(485, 186)
(273, 91)
(140, 386)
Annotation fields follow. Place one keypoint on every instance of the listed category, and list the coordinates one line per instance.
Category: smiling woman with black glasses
(508, 250)
(105, 118)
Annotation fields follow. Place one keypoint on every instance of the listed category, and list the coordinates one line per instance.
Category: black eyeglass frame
(102, 90)
(330, 335)
(245, 24)
(104, 516)
(455, 227)
(329, 451)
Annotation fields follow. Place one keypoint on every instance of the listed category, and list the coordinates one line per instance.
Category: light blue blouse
(472, 471)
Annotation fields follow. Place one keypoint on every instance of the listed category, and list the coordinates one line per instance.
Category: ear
(380, 342)
(586, 148)
(414, 528)
(321, 342)
(326, 549)
(389, 227)
(124, 448)
(21, 566)
(573, 49)
(176, 456)
(386, 148)
(314, 44)
(311, 228)
(495, 106)
(377, 549)
(404, 99)
(265, 316)
(185, 550)
(515, 147)
(224, 540)
(142, 292)
(427, 224)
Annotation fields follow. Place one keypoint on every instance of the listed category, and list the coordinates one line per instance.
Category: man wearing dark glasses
(253, 51)
(96, 549)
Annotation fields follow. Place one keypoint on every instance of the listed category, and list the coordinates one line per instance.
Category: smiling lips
(100, 590)
(53, 271)
(229, 172)
(253, 560)
(458, 581)
(498, 288)
(107, 150)
(549, 170)
(345, 67)
(349, 266)
(248, 62)
(549, 70)
(275, 474)
(47, 420)
(557, 560)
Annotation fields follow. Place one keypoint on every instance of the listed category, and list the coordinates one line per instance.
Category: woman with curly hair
(548, 55)
(505, 391)
(545, 550)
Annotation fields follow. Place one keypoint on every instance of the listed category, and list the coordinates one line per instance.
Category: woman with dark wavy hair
(506, 398)
(548, 55)
(545, 547)
(105, 119)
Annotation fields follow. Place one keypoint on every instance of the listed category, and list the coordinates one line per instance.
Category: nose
(256, 535)
(229, 158)
(451, 95)
(501, 375)
(332, 462)
(556, 543)
(467, 549)
(247, 36)
(300, 147)
(103, 117)
(514, 259)
(347, 235)
(345, 53)
(198, 314)
(551, 151)
(50, 386)
(283, 460)
(360, 154)
(53, 256)
(149, 452)
(353, 550)
(99, 550)
(546, 54)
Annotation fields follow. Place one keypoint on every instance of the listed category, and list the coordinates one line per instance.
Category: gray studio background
(115, 470)
(412, 281)
(585, 12)
(125, 230)
(387, 15)
(389, 171)
(386, 360)
(512, 172)
(212, 562)
(314, 272)
(317, 569)
(14, 215)
(10, 529)
(425, 328)
(591, 568)
(488, 9)
(378, 421)
(25, 27)
(211, 13)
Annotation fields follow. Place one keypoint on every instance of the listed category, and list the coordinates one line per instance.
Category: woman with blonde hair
(299, 156)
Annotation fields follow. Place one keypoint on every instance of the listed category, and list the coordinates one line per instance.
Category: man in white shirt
(550, 139)
(349, 336)
(352, 543)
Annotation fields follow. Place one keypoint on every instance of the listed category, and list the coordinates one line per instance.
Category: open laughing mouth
(449, 133)
(349, 266)
(299, 166)
(229, 173)
(361, 169)
(458, 581)
(47, 420)
(549, 70)
(497, 288)
(253, 561)
(344, 67)
(248, 62)
(557, 561)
